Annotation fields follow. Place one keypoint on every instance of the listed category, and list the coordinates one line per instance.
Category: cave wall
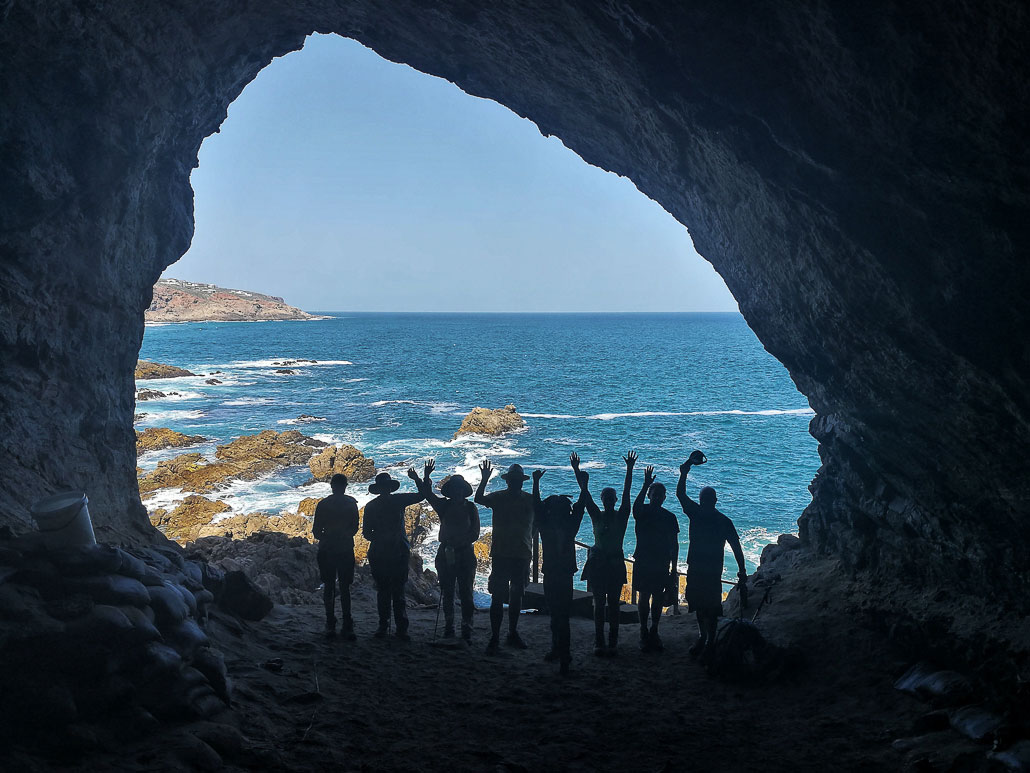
(856, 173)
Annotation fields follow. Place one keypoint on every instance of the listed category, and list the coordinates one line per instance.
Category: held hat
(456, 487)
(515, 472)
(383, 484)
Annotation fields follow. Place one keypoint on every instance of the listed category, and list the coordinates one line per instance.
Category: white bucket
(63, 520)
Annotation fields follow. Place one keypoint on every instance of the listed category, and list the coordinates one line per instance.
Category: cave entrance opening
(422, 223)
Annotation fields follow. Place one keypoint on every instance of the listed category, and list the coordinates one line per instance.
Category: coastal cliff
(178, 301)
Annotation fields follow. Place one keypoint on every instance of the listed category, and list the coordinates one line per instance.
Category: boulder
(246, 458)
(184, 522)
(152, 394)
(160, 438)
(307, 506)
(154, 370)
(481, 547)
(243, 526)
(243, 598)
(285, 372)
(346, 459)
(484, 421)
(212, 381)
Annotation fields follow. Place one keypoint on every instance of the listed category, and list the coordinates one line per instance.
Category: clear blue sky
(344, 182)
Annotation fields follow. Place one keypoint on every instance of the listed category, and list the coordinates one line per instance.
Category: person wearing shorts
(511, 550)
(656, 555)
(334, 526)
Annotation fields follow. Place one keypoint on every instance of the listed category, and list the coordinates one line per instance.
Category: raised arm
(583, 479)
(537, 475)
(630, 459)
(689, 505)
(485, 470)
(425, 486)
(642, 496)
(410, 499)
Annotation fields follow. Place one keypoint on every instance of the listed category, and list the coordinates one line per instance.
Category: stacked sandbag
(100, 645)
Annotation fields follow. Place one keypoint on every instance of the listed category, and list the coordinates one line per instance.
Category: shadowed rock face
(856, 173)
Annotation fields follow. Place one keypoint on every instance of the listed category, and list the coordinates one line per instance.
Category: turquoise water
(397, 386)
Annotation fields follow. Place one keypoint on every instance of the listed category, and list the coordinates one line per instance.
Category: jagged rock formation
(160, 438)
(152, 370)
(486, 421)
(245, 458)
(185, 521)
(856, 174)
(346, 460)
(175, 300)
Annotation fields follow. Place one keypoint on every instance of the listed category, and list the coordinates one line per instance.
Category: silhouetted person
(334, 526)
(558, 526)
(389, 552)
(656, 555)
(511, 550)
(605, 571)
(456, 559)
(709, 532)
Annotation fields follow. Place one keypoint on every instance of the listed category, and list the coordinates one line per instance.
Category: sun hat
(384, 484)
(457, 487)
(515, 472)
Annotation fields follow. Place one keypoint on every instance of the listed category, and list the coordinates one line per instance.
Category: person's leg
(699, 645)
(643, 610)
(614, 606)
(466, 579)
(327, 573)
(383, 608)
(656, 617)
(599, 599)
(498, 585)
(447, 581)
(552, 601)
(564, 632)
(519, 573)
(400, 612)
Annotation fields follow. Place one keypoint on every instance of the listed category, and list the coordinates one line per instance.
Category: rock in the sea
(138, 417)
(307, 506)
(285, 372)
(245, 458)
(152, 370)
(484, 421)
(346, 459)
(212, 381)
(185, 521)
(159, 438)
(153, 394)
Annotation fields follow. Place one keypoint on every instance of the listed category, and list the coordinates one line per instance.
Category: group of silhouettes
(518, 517)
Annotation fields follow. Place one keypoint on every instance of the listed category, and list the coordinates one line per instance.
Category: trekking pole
(436, 625)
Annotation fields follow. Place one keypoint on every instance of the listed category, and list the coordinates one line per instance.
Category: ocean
(397, 386)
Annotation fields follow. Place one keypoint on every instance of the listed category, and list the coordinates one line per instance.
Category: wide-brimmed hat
(515, 472)
(456, 486)
(383, 484)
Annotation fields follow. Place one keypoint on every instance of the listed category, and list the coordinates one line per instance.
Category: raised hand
(412, 474)
(574, 461)
(486, 469)
(630, 459)
(685, 467)
(537, 475)
(430, 466)
(649, 476)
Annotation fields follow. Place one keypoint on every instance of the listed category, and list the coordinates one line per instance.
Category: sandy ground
(388, 705)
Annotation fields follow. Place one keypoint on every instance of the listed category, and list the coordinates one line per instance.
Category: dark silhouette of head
(656, 493)
(338, 483)
(515, 477)
(707, 497)
(608, 497)
(456, 487)
(558, 505)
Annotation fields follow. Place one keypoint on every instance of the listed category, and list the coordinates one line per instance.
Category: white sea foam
(278, 362)
(250, 401)
(153, 417)
(305, 420)
(646, 414)
(353, 380)
(434, 407)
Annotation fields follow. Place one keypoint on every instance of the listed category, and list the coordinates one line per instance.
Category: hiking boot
(613, 643)
(330, 628)
(656, 642)
(600, 651)
(515, 641)
(493, 646)
(448, 630)
(563, 669)
(645, 641)
(551, 656)
(466, 632)
(699, 645)
(403, 636)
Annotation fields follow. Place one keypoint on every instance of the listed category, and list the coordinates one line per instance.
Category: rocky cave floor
(388, 705)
